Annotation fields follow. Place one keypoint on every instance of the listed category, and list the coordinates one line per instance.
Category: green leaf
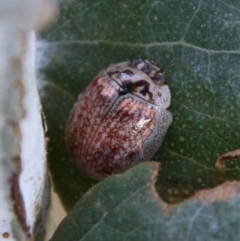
(198, 44)
(126, 207)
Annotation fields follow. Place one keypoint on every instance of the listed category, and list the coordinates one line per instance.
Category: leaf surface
(127, 207)
(198, 44)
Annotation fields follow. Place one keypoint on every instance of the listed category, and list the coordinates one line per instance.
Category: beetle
(120, 119)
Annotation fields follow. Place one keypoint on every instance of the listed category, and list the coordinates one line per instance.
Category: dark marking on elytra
(129, 87)
(125, 88)
(145, 89)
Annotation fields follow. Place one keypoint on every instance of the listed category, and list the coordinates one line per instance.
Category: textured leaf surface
(198, 44)
(126, 207)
